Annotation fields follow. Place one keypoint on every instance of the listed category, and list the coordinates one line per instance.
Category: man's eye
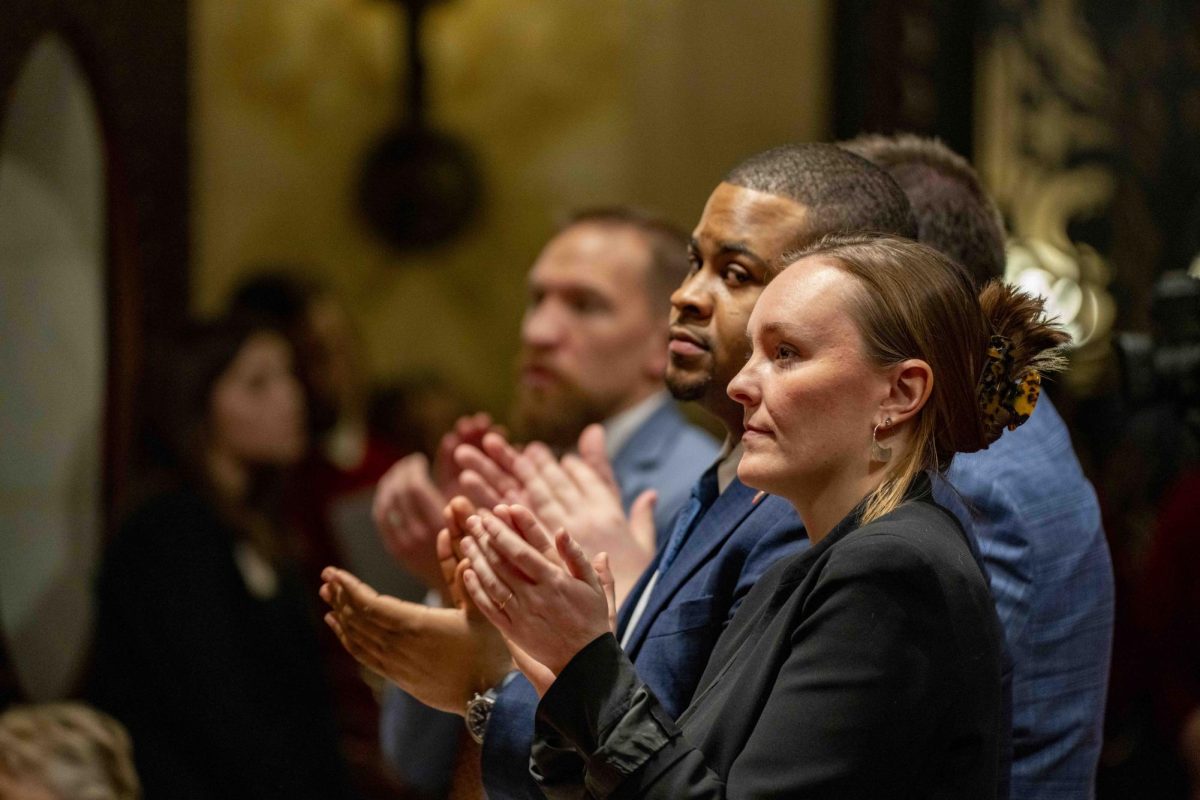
(694, 263)
(736, 275)
(588, 305)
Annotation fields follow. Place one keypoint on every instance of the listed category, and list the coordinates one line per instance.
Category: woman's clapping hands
(540, 592)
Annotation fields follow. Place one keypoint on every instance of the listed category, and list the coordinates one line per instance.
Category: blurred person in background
(205, 639)
(328, 494)
(65, 751)
(413, 411)
(1031, 510)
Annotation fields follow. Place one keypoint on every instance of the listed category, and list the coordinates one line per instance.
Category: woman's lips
(750, 433)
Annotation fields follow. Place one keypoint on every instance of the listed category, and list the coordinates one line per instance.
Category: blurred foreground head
(594, 334)
(65, 751)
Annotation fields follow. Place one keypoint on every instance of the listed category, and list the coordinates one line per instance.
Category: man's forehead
(765, 224)
(602, 270)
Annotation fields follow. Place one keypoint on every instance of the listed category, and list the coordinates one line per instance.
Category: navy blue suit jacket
(731, 546)
(666, 453)
(1037, 523)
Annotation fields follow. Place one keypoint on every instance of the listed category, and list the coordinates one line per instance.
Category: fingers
(588, 482)
(472, 459)
(641, 521)
(516, 553)
(448, 561)
(575, 560)
(500, 451)
(559, 482)
(483, 601)
(467, 430)
(471, 429)
(355, 592)
(531, 530)
(352, 646)
(407, 508)
(609, 585)
(493, 595)
(427, 503)
(455, 515)
(592, 451)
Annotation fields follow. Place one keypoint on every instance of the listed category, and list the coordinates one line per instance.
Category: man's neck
(621, 426)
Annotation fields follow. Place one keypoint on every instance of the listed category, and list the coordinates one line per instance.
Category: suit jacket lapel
(712, 530)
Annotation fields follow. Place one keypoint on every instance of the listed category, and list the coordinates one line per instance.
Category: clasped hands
(547, 600)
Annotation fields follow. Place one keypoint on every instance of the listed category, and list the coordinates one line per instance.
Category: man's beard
(686, 387)
(558, 416)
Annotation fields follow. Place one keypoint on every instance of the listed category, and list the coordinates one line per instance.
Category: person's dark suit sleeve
(844, 717)
(507, 742)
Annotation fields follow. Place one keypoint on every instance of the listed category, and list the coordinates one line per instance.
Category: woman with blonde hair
(869, 665)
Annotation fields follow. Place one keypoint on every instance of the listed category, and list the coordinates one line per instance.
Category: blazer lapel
(712, 530)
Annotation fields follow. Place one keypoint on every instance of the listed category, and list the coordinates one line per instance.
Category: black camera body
(1163, 367)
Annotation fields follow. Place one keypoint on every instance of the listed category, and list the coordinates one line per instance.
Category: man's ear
(911, 385)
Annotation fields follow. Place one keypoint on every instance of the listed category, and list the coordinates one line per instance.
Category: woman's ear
(911, 385)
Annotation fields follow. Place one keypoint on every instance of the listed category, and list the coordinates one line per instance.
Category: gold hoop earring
(879, 452)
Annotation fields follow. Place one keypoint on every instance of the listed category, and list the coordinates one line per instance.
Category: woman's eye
(785, 353)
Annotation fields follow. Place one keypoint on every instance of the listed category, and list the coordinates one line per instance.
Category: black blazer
(868, 666)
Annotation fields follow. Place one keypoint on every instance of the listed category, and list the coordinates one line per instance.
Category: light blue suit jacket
(666, 453)
(1037, 524)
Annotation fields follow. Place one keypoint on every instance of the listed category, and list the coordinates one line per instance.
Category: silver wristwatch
(479, 709)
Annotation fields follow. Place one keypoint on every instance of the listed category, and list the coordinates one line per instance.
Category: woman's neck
(823, 506)
(229, 476)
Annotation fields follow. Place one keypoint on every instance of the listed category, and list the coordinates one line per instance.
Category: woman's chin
(756, 476)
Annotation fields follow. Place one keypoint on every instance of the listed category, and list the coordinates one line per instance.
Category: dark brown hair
(954, 213)
(175, 409)
(917, 303)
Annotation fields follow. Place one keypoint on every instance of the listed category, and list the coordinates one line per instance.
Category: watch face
(478, 711)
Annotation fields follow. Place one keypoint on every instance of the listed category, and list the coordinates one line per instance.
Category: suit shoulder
(917, 535)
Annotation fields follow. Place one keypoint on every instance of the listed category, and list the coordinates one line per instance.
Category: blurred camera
(1163, 367)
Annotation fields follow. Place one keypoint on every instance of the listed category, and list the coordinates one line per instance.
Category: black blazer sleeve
(840, 687)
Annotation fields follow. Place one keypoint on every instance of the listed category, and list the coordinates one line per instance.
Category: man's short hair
(667, 243)
(954, 213)
(843, 192)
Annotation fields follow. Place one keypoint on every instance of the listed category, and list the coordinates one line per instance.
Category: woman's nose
(744, 386)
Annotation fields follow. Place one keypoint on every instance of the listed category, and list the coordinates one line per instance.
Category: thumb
(609, 584)
(573, 557)
(592, 451)
(641, 520)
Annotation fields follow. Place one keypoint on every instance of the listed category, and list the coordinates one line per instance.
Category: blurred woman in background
(206, 645)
